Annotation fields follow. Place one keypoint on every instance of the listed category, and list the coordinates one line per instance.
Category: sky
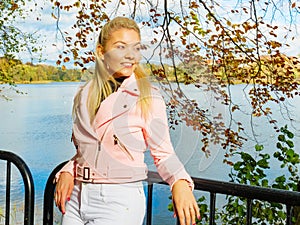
(50, 38)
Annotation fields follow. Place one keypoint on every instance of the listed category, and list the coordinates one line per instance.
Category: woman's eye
(138, 48)
(120, 46)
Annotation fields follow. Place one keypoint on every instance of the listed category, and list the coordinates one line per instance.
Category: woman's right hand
(63, 191)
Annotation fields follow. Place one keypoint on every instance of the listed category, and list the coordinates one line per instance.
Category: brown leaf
(66, 59)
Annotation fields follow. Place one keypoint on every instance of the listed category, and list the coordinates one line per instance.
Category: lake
(37, 127)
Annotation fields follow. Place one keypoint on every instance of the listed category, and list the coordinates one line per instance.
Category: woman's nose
(129, 53)
(132, 52)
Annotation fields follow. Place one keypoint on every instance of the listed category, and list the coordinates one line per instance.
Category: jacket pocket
(122, 147)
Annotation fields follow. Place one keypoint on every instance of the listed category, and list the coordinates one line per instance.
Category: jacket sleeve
(158, 139)
(68, 167)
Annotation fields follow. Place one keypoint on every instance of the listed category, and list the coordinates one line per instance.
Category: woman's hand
(185, 205)
(63, 191)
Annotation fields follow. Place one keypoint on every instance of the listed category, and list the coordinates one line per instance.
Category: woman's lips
(127, 65)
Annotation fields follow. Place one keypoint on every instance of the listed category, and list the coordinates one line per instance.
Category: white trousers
(106, 204)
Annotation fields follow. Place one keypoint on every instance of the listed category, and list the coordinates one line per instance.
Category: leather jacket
(111, 150)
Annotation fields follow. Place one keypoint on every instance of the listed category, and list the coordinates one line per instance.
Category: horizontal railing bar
(241, 190)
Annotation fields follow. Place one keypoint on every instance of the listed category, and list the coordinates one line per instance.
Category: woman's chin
(123, 73)
(120, 74)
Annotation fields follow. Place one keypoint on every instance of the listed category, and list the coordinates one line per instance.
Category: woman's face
(122, 52)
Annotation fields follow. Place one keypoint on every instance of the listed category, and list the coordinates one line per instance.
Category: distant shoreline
(47, 82)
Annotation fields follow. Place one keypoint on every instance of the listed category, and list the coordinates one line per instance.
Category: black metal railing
(10, 159)
(288, 198)
(49, 196)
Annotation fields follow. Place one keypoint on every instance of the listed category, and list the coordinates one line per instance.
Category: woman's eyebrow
(122, 42)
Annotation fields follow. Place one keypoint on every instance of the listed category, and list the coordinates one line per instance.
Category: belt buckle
(86, 173)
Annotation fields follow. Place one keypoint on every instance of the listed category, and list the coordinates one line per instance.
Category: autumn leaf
(66, 59)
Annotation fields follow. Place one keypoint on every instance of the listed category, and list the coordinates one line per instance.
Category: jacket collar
(129, 85)
(117, 103)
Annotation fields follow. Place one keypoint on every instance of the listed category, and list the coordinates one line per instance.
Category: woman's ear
(99, 51)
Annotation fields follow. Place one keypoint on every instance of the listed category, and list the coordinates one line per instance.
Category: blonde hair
(100, 87)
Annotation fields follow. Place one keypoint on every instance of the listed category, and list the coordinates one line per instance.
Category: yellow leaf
(14, 6)
(77, 4)
(53, 16)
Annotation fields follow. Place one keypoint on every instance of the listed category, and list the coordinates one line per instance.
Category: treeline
(14, 71)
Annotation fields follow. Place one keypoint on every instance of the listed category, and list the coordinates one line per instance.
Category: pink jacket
(112, 149)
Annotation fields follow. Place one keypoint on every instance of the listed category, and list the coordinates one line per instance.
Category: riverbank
(46, 82)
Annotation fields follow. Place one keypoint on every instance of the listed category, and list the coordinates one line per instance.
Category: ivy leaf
(259, 148)
(281, 138)
(290, 143)
(263, 163)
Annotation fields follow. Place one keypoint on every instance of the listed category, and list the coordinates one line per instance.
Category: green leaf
(280, 179)
(246, 157)
(278, 145)
(295, 160)
(263, 163)
(290, 134)
(237, 165)
(281, 138)
(264, 183)
(259, 147)
(276, 154)
(290, 143)
(290, 153)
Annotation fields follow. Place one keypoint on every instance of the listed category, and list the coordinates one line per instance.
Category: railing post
(177, 221)
(212, 210)
(296, 209)
(249, 211)
(7, 205)
(49, 196)
(289, 215)
(149, 204)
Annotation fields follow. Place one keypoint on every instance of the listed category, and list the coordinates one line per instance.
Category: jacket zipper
(97, 154)
(122, 146)
(99, 146)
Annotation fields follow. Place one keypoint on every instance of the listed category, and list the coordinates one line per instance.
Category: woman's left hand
(185, 205)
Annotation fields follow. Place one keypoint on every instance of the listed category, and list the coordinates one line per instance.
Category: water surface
(37, 126)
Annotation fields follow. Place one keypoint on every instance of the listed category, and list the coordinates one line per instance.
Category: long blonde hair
(100, 87)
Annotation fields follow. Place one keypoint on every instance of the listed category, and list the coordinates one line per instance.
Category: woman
(117, 116)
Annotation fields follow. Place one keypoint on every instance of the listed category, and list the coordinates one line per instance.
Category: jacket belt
(89, 175)
(86, 173)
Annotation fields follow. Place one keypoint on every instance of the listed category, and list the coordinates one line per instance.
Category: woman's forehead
(124, 35)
